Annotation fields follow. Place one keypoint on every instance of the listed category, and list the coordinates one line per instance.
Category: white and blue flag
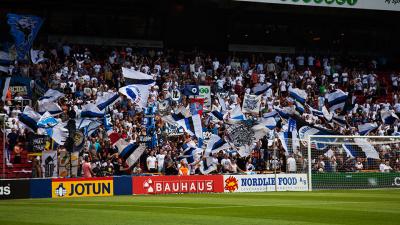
(51, 107)
(259, 90)
(337, 100)
(106, 100)
(389, 117)
(90, 110)
(29, 118)
(298, 94)
(129, 152)
(217, 115)
(364, 129)
(51, 95)
(236, 115)
(216, 144)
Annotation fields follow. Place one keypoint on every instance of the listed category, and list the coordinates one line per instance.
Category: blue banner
(24, 29)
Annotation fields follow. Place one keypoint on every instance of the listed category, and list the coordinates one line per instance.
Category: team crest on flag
(251, 103)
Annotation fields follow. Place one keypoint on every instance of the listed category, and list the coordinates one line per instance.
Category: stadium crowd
(84, 73)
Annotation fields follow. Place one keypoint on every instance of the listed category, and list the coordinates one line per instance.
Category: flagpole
(4, 149)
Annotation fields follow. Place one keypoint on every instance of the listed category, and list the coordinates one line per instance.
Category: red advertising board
(177, 184)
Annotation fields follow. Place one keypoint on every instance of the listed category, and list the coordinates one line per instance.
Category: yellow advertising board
(76, 187)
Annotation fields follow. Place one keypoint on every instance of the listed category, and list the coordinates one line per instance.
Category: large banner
(265, 182)
(82, 187)
(49, 163)
(391, 5)
(177, 184)
(24, 29)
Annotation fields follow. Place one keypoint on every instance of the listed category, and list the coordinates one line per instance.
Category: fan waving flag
(129, 152)
(24, 29)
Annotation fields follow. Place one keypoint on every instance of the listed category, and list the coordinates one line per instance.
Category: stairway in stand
(20, 170)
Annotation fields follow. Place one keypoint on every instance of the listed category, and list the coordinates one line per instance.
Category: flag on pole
(51, 95)
(51, 107)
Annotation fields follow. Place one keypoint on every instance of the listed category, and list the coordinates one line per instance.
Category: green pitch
(377, 207)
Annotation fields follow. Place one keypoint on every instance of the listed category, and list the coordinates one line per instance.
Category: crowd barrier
(137, 185)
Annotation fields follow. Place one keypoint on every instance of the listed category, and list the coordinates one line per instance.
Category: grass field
(364, 207)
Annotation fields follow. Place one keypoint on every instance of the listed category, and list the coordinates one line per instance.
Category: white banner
(265, 182)
(391, 5)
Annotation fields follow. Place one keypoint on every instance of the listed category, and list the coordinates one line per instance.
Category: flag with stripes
(273, 113)
(216, 144)
(190, 153)
(51, 95)
(337, 100)
(217, 115)
(360, 146)
(130, 152)
(299, 107)
(29, 118)
(90, 110)
(236, 115)
(259, 90)
(106, 100)
(364, 129)
(269, 122)
(340, 120)
(298, 95)
(285, 112)
(51, 107)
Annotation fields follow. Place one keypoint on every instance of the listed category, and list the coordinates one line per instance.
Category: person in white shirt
(151, 163)
(278, 59)
(160, 161)
(226, 164)
(384, 167)
(291, 164)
